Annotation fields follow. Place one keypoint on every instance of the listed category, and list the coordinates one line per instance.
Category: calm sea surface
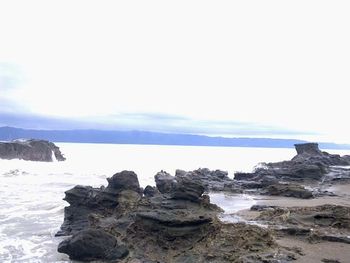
(31, 205)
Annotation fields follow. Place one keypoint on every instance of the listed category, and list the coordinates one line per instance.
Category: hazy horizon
(236, 69)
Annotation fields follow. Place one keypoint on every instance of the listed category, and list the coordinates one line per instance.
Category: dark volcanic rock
(92, 244)
(187, 189)
(150, 191)
(310, 167)
(30, 150)
(308, 148)
(211, 180)
(310, 153)
(165, 182)
(288, 190)
(123, 192)
(125, 180)
(178, 225)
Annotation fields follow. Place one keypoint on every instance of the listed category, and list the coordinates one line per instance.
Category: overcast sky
(270, 68)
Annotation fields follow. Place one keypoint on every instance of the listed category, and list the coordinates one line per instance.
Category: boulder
(125, 180)
(187, 189)
(92, 244)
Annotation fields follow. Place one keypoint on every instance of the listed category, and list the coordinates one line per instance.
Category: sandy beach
(307, 251)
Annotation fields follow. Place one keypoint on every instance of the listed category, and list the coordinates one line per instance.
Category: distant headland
(151, 138)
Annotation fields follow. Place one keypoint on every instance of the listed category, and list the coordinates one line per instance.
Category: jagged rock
(310, 167)
(30, 150)
(308, 148)
(211, 180)
(150, 191)
(310, 153)
(123, 192)
(92, 244)
(165, 182)
(179, 225)
(187, 189)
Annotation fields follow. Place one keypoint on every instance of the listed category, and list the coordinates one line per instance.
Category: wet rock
(340, 239)
(296, 231)
(262, 207)
(327, 260)
(288, 190)
(92, 244)
(30, 150)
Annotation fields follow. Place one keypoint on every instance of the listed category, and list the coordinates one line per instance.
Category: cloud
(149, 122)
(10, 77)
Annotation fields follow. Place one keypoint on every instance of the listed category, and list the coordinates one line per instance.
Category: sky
(233, 68)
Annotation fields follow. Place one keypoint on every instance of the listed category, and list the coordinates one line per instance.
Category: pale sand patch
(314, 253)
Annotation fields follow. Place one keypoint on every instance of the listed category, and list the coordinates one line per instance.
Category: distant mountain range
(155, 138)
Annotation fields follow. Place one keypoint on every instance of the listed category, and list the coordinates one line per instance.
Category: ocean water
(31, 193)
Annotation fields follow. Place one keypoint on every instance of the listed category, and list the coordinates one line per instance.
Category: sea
(31, 193)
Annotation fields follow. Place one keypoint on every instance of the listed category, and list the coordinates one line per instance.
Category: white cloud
(277, 63)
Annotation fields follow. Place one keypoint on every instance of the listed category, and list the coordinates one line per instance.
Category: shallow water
(31, 205)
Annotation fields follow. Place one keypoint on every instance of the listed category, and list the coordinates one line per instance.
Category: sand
(312, 252)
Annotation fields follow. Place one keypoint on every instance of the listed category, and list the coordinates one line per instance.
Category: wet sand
(312, 252)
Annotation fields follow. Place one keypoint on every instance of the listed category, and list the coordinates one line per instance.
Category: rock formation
(309, 167)
(30, 150)
(174, 222)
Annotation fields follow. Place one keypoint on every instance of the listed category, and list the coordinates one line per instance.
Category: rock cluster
(309, 167)
(30, 150)
(173, 222)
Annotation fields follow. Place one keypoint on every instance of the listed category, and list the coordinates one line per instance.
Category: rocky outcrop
(123, 191)
(288, 190)
(310, 167)
(30, 150)
(310, 153)
(216, 180)
(174, 222)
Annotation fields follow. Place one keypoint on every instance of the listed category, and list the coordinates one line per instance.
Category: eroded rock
(178, 225)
